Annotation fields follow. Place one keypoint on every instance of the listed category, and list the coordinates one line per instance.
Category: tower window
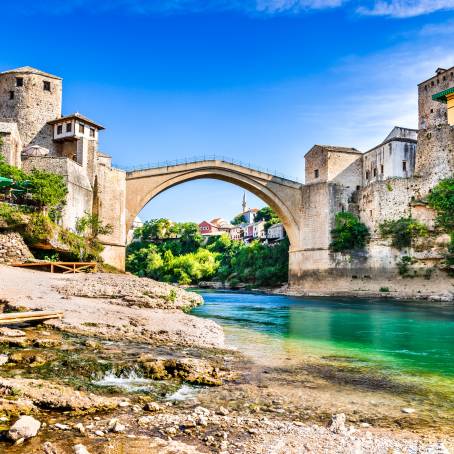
(59, 129)
(404, 166)
(367, 174)
(316, 173)
(382, 169)
(81, 128)
(69, 127)
(375, 172)
(19, 81)
(92, 132)
(11, 95)
(46, 85)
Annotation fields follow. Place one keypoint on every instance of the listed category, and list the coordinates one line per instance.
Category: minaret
(244, 205)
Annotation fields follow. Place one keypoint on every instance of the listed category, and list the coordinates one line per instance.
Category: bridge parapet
(222, 160)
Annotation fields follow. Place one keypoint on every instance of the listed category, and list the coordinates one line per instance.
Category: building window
(404, 166)
(316, 173)
(19, 81)
(367, 174)
(46, 85)
(382, 169)
(375, 171)
(92, 132)
(59, 129)
(81, 128)
(11, 95)
(69, 127)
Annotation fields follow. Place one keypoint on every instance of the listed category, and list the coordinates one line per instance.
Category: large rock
(25, 427)
(80, 449)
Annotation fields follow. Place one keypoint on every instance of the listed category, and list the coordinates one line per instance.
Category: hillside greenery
(176, 252)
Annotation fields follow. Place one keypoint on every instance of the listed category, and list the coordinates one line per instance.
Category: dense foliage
(441, 199)
(268, 215)
(349, 233)
(403, 231)
(176, 252)
(47, 190)
(238, 219)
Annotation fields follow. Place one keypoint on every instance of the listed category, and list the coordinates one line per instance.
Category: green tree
(403, 231)
(48, 189)
(441, 199)
(238, 219)
(349, 233)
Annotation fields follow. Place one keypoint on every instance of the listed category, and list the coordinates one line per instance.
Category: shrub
(404, 265)
(11, 217)
(349, 233)
(403, 231)
(441, 199)
(384, 289)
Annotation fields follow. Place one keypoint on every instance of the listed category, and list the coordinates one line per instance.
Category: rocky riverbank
(127, 371)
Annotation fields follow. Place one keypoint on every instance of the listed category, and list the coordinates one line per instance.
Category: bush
(404, 265)
(349, 233)
(441, 199)
(11, 217)
(403, 231)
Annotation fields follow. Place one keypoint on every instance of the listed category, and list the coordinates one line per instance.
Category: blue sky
(258, 80)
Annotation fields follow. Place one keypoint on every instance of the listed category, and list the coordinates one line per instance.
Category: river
(408, 344)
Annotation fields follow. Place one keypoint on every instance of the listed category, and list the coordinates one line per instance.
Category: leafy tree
(238, 219)
(349, 233)
(441, 199)
(48, 189)
(90, 226)
(403, 231)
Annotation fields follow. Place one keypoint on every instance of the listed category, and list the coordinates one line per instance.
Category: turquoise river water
(410, 340)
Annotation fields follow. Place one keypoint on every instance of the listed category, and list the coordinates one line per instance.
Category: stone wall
(13, 249)
(110, 205)
(11, 146)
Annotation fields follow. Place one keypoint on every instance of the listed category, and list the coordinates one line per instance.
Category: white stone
(24, 427)
(80, 449)
(408, 410)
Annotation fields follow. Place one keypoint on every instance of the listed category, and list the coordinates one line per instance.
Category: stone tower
(435, 151)
(31, 98)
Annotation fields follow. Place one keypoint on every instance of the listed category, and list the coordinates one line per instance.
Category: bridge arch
(283, 195)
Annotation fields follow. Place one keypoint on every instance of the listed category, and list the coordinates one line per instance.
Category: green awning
(5, 182)
(442, 95)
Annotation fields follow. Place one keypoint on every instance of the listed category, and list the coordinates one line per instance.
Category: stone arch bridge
(290, 199)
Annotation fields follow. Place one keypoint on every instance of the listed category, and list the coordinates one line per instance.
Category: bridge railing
(201, 158)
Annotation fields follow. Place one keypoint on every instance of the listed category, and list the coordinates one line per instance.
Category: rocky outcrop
(13, 248)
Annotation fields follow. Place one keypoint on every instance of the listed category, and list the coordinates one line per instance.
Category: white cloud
(369, 95)
(406, 8)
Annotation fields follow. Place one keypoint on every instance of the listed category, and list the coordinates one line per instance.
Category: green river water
(412, 342)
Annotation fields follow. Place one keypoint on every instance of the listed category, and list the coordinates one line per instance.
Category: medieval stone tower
(31, 98)
(435, 155)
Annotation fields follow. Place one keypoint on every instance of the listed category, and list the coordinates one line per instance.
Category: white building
(276, 232)
(259, 232)
(394, 157)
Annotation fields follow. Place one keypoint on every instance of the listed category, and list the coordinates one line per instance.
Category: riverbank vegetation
(176, 252)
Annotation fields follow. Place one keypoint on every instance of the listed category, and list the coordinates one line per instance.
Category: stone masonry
(13, 248)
